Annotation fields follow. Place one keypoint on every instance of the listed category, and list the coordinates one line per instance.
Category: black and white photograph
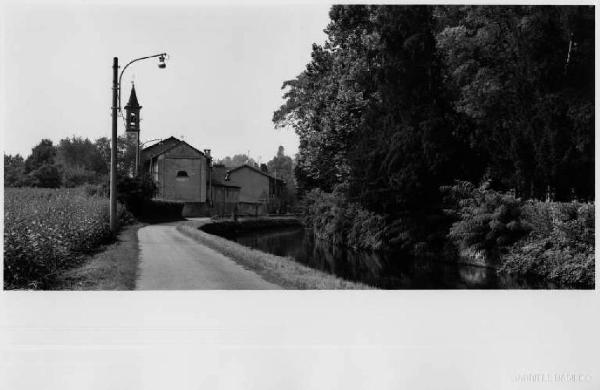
(358, 147)
(402, 150)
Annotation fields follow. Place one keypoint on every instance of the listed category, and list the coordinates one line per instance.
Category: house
(256, 187)
(180, 171)
(223, 196)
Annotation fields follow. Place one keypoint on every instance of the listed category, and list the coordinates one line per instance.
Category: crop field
(45, 230)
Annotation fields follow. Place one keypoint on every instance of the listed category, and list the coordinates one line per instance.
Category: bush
(75, 176)
(135, 192)
(45, 228)
(487, 220)
(46, 176)
(561, 246)
(335, 220)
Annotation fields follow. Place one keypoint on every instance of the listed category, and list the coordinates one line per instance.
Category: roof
(164, 146)
(255, 170)
(133, 101)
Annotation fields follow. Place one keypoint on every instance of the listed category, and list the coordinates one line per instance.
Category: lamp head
(161, 62)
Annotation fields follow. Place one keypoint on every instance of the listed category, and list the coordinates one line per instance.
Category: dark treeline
(402, 100)
(73, 162)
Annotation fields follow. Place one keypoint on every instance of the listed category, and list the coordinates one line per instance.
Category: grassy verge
(279, 270)
(113, 267)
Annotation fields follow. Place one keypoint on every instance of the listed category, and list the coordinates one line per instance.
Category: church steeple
(132, 112)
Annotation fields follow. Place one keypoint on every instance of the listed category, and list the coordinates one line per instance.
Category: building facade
(179, 170)
(255, 185)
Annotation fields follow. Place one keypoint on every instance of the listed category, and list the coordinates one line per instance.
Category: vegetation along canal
(379, 269)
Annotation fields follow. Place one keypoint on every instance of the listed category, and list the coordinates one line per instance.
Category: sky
(219, 91)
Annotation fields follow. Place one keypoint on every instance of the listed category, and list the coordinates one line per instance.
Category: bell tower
(132, 125)
(132, 113)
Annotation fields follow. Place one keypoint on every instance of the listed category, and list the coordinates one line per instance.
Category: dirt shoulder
(112, 267)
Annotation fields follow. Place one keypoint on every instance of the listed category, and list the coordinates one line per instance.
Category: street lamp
(116, 106)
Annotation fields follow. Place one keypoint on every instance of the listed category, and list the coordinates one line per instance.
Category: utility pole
(113, 151)
(116, 106)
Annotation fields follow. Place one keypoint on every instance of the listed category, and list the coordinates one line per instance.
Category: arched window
(182, 174)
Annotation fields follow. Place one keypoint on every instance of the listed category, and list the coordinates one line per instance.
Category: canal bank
(283, 252)
(283, 271)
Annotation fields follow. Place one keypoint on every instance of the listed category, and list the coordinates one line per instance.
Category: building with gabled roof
(255, 185)
(180, 171)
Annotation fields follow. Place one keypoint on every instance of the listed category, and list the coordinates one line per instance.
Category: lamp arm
(131, 62)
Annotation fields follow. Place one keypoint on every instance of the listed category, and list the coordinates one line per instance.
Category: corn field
(44, 230)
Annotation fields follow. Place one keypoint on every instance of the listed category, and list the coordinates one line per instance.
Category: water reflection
(382, 270)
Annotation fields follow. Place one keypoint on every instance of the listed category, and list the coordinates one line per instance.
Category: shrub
(561, 246)
(46, 176)
(487, 220)
(135, 192)
(334, 219)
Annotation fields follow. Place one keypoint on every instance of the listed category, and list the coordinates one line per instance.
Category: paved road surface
(170, 260)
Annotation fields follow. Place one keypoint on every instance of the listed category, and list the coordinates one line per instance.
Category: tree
(126, 150)
(371, 110)
(14, 167)
(523, 77)
(47, 176)
(80, 162)
(42, 154)
(282, 167)
(237, 161)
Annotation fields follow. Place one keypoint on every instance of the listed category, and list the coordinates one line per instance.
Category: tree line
(402, 100)
(74, 161)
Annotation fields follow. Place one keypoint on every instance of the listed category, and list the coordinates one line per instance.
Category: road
(170, 260)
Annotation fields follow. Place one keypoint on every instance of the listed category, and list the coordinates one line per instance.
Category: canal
(378, 269)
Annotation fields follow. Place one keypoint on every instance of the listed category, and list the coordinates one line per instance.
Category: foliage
(523, 79)
(282, 167)
(46, 176)
(561, 246)
(553, 240)
(42, 154)
(487, 220)
(126, 150)
(14, 167)
(342, 223)
(237, 161)
(402, 100)
(44, 229)
(133, 192)
(74, 162)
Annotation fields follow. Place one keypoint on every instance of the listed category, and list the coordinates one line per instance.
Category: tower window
(182, 174)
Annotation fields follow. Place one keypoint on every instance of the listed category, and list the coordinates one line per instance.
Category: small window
(182, 174)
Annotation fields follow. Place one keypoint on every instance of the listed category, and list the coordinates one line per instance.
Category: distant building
(255, 185)
(224, 195)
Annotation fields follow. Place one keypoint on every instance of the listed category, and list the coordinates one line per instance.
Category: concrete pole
(137, 153)
(114, 223)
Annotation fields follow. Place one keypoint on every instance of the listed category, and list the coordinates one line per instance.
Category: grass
(114, 267)
(282, 271)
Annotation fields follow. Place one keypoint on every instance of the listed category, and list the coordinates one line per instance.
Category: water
(382, 270)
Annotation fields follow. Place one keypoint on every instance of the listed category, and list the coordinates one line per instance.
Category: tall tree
(371, 111)
(42, 154)
(14, 167)
(523, 76)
